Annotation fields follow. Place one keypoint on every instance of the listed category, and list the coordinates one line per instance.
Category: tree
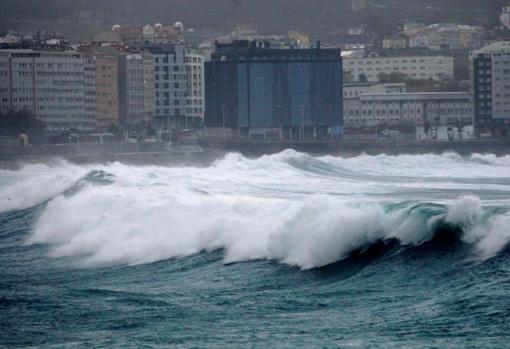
(114, 129)
(393, 77)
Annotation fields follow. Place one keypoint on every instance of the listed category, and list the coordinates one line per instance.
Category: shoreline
(212, 150)
(354, 148)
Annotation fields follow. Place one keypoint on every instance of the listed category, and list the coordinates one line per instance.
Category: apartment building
(195, 102)
(5, 81)
(131, 91)
(171, 85)
(51, 84)
(490, 74)
(90, 87)
(369, 69)
(107, 87)
(446, 36)
(149, 88)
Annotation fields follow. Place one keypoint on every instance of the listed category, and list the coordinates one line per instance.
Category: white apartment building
(490, 74)
(446, 36)
(425, 108)
(505, 16)
(195, 103)
(415, 67)
(51, 84)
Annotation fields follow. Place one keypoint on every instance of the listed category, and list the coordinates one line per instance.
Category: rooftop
(495, 47)
(416, 95)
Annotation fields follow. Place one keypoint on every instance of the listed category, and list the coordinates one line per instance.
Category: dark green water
(117, 256)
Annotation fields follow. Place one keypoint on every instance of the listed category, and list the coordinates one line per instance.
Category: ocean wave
(98, 228)
(291, 207)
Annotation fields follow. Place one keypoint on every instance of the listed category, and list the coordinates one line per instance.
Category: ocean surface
(282, 251)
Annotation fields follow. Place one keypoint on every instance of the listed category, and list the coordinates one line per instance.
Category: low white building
(352, 92)
(426, 109)
(415, 67)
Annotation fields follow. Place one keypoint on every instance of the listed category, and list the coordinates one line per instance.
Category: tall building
(5, 81)
(195, 103)
(50, 84)
(170, 82)
(490, 73)
(90, 87)
(131, 91)
(106, 84)
(415, 67)
(149, 89)
(261, 92)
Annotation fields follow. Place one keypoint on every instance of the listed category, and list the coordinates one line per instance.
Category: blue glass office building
(274, 93)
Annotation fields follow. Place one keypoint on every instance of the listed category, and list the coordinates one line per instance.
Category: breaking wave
(297, 209)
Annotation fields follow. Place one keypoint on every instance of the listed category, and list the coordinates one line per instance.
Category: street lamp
(302, 122)
(77, 142)
(223, 119)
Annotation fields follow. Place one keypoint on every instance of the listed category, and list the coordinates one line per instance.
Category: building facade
(450, 36)
(50, 84)
(5, 81)
(352, 92)
(149, 88)
(490, 73)
(170, 84)
(261, 92)
(195, 102)
(131, 91)
(413, 109)
(369, 69)
(505, 17)
(90, 87)
(107, 88)
(395, 42)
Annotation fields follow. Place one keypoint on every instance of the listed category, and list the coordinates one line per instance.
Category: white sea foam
(303, 211)
(35, 184)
